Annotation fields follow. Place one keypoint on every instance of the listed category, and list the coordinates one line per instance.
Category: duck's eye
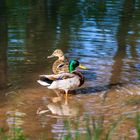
(60, 66)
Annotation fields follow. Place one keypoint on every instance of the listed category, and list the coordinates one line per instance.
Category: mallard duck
(64, 81)
(61, 64)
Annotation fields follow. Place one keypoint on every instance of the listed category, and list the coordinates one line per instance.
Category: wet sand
(22, 106)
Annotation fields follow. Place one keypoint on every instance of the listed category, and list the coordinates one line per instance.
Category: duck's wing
(58, 76)
(51, 76)
(47, 80)
(67, 81)
(60, 66)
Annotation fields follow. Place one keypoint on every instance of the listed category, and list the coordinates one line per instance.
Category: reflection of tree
(3, 45)
(49, 27)
(61, 21)
(36, 30)
(135, 36)
(124, 27)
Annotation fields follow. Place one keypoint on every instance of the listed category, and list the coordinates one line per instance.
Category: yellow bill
(82, 67)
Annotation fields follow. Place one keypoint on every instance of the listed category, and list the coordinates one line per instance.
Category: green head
(72, 65)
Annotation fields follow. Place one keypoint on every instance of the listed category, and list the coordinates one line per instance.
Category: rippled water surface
(103, 35)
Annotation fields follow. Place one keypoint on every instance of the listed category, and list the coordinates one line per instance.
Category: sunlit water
(103, 35)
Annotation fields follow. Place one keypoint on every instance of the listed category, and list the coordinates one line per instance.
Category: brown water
(102, 35)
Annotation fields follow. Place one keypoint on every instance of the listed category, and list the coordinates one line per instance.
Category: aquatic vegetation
(15, 134)
(92, 130)
(95, 130)
(137, 120)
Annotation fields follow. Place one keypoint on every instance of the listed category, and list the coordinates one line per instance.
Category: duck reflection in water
(56, 114)
(58, 107)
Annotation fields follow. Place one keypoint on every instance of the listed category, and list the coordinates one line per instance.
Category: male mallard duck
(61, 64)
(64, 81)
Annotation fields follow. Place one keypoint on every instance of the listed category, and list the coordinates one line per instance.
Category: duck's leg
(66, 97)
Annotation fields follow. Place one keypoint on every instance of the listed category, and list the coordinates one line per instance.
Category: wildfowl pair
(62, 63)
(67, 79)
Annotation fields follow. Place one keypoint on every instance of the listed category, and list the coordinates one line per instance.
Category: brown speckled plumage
(61, 64)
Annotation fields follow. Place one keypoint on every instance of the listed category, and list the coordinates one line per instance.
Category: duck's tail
(44, 81)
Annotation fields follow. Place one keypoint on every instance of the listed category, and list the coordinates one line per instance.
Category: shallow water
(102, 35)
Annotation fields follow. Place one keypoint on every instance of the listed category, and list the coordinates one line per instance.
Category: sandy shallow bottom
(40, 113)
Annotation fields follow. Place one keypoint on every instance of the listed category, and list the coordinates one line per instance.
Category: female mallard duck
(61, 64)
(64, 81)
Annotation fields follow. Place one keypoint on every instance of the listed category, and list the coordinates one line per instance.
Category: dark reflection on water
(103, 35)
